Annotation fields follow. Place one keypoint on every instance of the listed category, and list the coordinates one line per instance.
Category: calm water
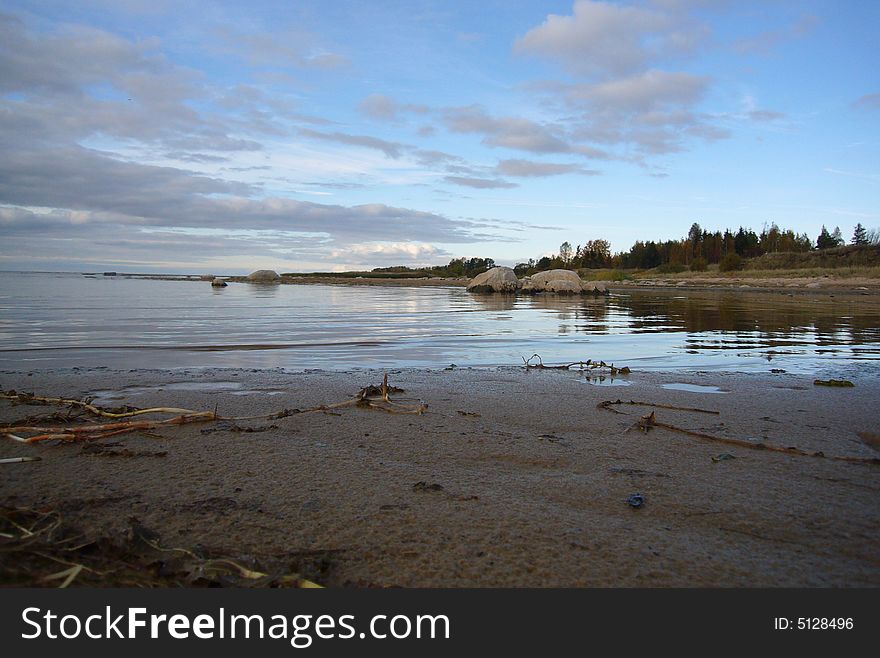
(64, 320)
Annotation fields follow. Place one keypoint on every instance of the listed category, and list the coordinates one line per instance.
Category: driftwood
(371, 397)
(608, 404)
(649, 422)
(589, 364)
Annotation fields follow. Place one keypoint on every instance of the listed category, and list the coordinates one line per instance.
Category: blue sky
(225, 137)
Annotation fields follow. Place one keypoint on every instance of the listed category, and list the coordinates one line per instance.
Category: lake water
(66, 320)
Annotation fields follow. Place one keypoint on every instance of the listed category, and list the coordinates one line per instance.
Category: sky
(225, 137)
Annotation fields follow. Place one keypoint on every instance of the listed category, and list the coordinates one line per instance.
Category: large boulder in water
(564, 282)
(264, 276)
(560, 281)
(498, 279)
(217, 282)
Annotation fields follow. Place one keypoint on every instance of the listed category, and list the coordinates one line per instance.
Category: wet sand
(511, 477)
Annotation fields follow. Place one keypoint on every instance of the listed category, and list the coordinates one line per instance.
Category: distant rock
(498, 279)
(563, 282)
(264, 276)
(217, 282)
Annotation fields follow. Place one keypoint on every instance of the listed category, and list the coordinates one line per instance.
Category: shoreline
(511, 477)
(740, 281)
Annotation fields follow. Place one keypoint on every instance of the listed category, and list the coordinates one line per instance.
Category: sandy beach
(511, 477)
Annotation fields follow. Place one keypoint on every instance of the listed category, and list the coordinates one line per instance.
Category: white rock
(563, 282)
(264, 276)
(498, 279)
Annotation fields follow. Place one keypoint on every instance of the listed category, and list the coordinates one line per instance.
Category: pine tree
(860, 235)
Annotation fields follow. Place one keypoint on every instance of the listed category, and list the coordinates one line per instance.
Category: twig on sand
(92, 432)
(607, 404)
(649, 422)
(589, 364)
(30, 398)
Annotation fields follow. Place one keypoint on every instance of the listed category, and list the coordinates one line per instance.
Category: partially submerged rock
(217, 282)
(498, 279)
(559, 281)
(563, 282)
(594, 288)
(264, 276)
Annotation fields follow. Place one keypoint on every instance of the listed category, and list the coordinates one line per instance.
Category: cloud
(650, 91)
(867, 102)
(87, 117)
(384, 108)
(70, 201)
(765, 42)
(621, 104)
(479, 183)
(653, 112)
(78, 83)
(397, 252)
(531, 169)
(280, 49)
(854, 174)
(82, 179)
(604, 39)
(248, 229)
(765, 115)
(430, 158)
(507, 132)
(391, 149)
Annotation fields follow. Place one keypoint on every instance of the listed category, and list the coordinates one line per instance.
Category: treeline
(696, 251)
(457, 267)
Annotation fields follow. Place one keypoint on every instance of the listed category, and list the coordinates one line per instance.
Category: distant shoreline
(784, 281)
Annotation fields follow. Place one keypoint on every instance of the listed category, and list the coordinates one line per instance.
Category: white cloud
(479, 183)
(404, 252)
(391, 149)
(384, 108)
(508, 132)
(765, 42)
(532, 169)
(604, 39)
(649, 91)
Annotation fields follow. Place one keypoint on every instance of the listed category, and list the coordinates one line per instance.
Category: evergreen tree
(825, 241)
(860, 235)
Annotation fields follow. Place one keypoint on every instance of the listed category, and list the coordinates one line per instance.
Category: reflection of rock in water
(491, 302)
(586, 314)
(778, 320)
